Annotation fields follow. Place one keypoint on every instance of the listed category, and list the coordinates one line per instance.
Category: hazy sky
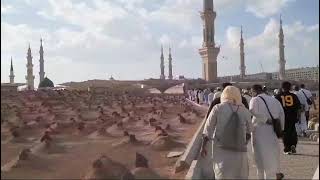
(94, 39)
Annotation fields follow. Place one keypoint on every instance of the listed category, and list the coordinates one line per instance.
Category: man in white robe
(205, 95)
(302, 126)
(195, 95)
(200, 96)
(210, 97)
(307, 94)
(190, 95)
(218, 93)
(265, 144)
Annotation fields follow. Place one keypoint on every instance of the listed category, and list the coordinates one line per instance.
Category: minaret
(242, 63)
(170, 65)
(30, 76)
(282, 61)
(209, 52)
(11, 73)
(41, 60)
(162, 64)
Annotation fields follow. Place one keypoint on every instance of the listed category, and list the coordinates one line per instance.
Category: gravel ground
(299, 166)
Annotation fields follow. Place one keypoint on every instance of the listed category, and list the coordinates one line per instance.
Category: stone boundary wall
(191, 151)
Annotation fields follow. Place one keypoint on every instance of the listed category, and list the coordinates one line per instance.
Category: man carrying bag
(265, 133)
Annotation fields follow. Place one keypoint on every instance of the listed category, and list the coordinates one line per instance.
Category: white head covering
(231, 94)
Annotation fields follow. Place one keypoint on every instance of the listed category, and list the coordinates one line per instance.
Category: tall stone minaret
(162, 76)
(282, 61)
(11, 73)
(170, 65)
(209, 52)
(30, 76)
(242, 63)
(41, 60)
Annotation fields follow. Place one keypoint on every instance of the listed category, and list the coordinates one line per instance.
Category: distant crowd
(235, 115)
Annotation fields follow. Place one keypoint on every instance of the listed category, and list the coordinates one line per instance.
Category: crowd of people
(236, 116)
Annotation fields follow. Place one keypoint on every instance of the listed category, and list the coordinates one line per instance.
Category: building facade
(298, 74)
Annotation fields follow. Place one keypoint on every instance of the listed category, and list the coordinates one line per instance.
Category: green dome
(46, 83)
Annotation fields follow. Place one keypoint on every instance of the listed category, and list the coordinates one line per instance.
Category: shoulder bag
(275, 122)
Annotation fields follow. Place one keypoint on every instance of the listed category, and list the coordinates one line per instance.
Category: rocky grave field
(80, 135)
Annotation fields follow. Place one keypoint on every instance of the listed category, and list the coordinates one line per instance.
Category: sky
(96, 39)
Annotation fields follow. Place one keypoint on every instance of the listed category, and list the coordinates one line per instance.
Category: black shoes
(305, 134)
(287, 152)
(279, 176)
(293, 149)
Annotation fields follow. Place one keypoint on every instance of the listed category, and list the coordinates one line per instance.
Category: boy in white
(302, 125)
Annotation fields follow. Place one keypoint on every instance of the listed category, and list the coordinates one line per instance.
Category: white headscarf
(231, 94)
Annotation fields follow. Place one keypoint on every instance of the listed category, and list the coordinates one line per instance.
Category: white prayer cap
(245, 91)
(231, 93)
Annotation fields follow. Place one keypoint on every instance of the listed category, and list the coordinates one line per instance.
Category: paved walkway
(299, 166)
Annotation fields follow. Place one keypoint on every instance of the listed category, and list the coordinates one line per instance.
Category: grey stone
(174, 154)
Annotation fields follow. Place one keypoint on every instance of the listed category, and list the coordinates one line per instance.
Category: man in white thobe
(218, 93)
(265, 144)
(195, 94)
(200, 96)
(307, 94)
(210, 97)
(205, 95)
(302, 126)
